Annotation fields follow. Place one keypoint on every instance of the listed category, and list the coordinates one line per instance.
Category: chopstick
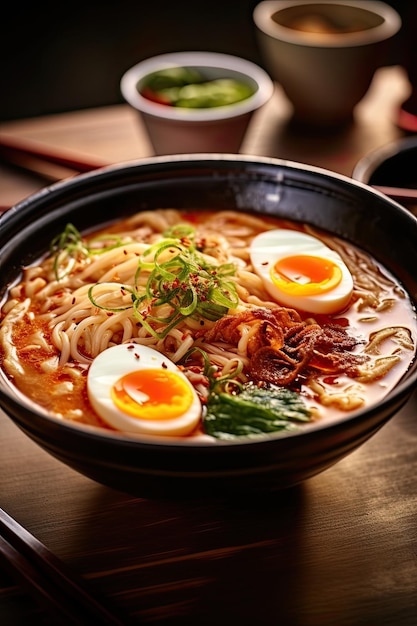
(397, 193)
(52, 166)
(47, 578)
(17, 151)
(51, 172)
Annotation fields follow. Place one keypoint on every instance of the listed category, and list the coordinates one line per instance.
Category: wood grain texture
(339, 550)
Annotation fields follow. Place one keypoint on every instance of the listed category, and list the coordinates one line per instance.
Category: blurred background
(72, 56)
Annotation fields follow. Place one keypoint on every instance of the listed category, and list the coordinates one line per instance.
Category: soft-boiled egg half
(301, 272)
(136, 389)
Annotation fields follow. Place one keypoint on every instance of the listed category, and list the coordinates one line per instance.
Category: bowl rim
(368, 164)
(7, 391)
(391, 24)
(216, 60)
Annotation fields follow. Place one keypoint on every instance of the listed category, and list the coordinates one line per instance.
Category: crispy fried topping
(283, 347)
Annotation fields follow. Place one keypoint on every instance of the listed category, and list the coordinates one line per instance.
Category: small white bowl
(174, 130)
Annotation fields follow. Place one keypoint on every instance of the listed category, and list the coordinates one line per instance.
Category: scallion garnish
(69, 246)
(180, 283)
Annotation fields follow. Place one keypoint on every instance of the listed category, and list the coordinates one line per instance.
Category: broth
(89, 296)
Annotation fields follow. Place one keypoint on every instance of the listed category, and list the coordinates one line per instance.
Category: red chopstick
(47, 578)
(398, 193)
(13, 150)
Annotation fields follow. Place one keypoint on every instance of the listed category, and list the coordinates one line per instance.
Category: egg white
(269, 247)
(110, 365)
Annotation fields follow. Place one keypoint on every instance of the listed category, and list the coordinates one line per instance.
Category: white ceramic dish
(183, 130)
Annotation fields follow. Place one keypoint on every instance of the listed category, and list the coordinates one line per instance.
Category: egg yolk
(305, 275)
(152, 394)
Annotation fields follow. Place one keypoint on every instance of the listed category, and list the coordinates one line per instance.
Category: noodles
(183, 284)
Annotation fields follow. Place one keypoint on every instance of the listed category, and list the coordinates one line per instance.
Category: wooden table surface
(338, 550)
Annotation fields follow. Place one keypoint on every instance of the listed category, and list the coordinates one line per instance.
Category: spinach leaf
(254, 411)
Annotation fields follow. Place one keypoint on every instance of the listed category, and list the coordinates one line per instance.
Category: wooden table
(338, 550)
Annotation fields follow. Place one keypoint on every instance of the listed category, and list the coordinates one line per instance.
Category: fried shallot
(283, 346)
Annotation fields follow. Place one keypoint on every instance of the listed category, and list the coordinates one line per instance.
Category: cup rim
(198, 59)
(390, 25)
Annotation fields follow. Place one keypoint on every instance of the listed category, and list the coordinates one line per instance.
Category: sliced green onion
(185, 281)
(69, 246)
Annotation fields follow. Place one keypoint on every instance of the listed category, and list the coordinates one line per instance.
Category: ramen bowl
(267, 188)
(209, 114)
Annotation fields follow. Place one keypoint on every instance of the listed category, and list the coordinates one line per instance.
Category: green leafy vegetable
(186, 87)
(214, 93)
(253, 411)
(171, 77)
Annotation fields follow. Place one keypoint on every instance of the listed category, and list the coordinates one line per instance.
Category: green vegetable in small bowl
(187, 87)
(171, 77)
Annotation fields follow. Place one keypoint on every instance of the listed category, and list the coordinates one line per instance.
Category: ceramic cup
(324, 54)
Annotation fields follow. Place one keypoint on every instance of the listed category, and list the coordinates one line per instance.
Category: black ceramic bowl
(299, 192)
(393, 169)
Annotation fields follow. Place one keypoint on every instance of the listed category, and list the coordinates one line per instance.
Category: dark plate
(299, 192)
